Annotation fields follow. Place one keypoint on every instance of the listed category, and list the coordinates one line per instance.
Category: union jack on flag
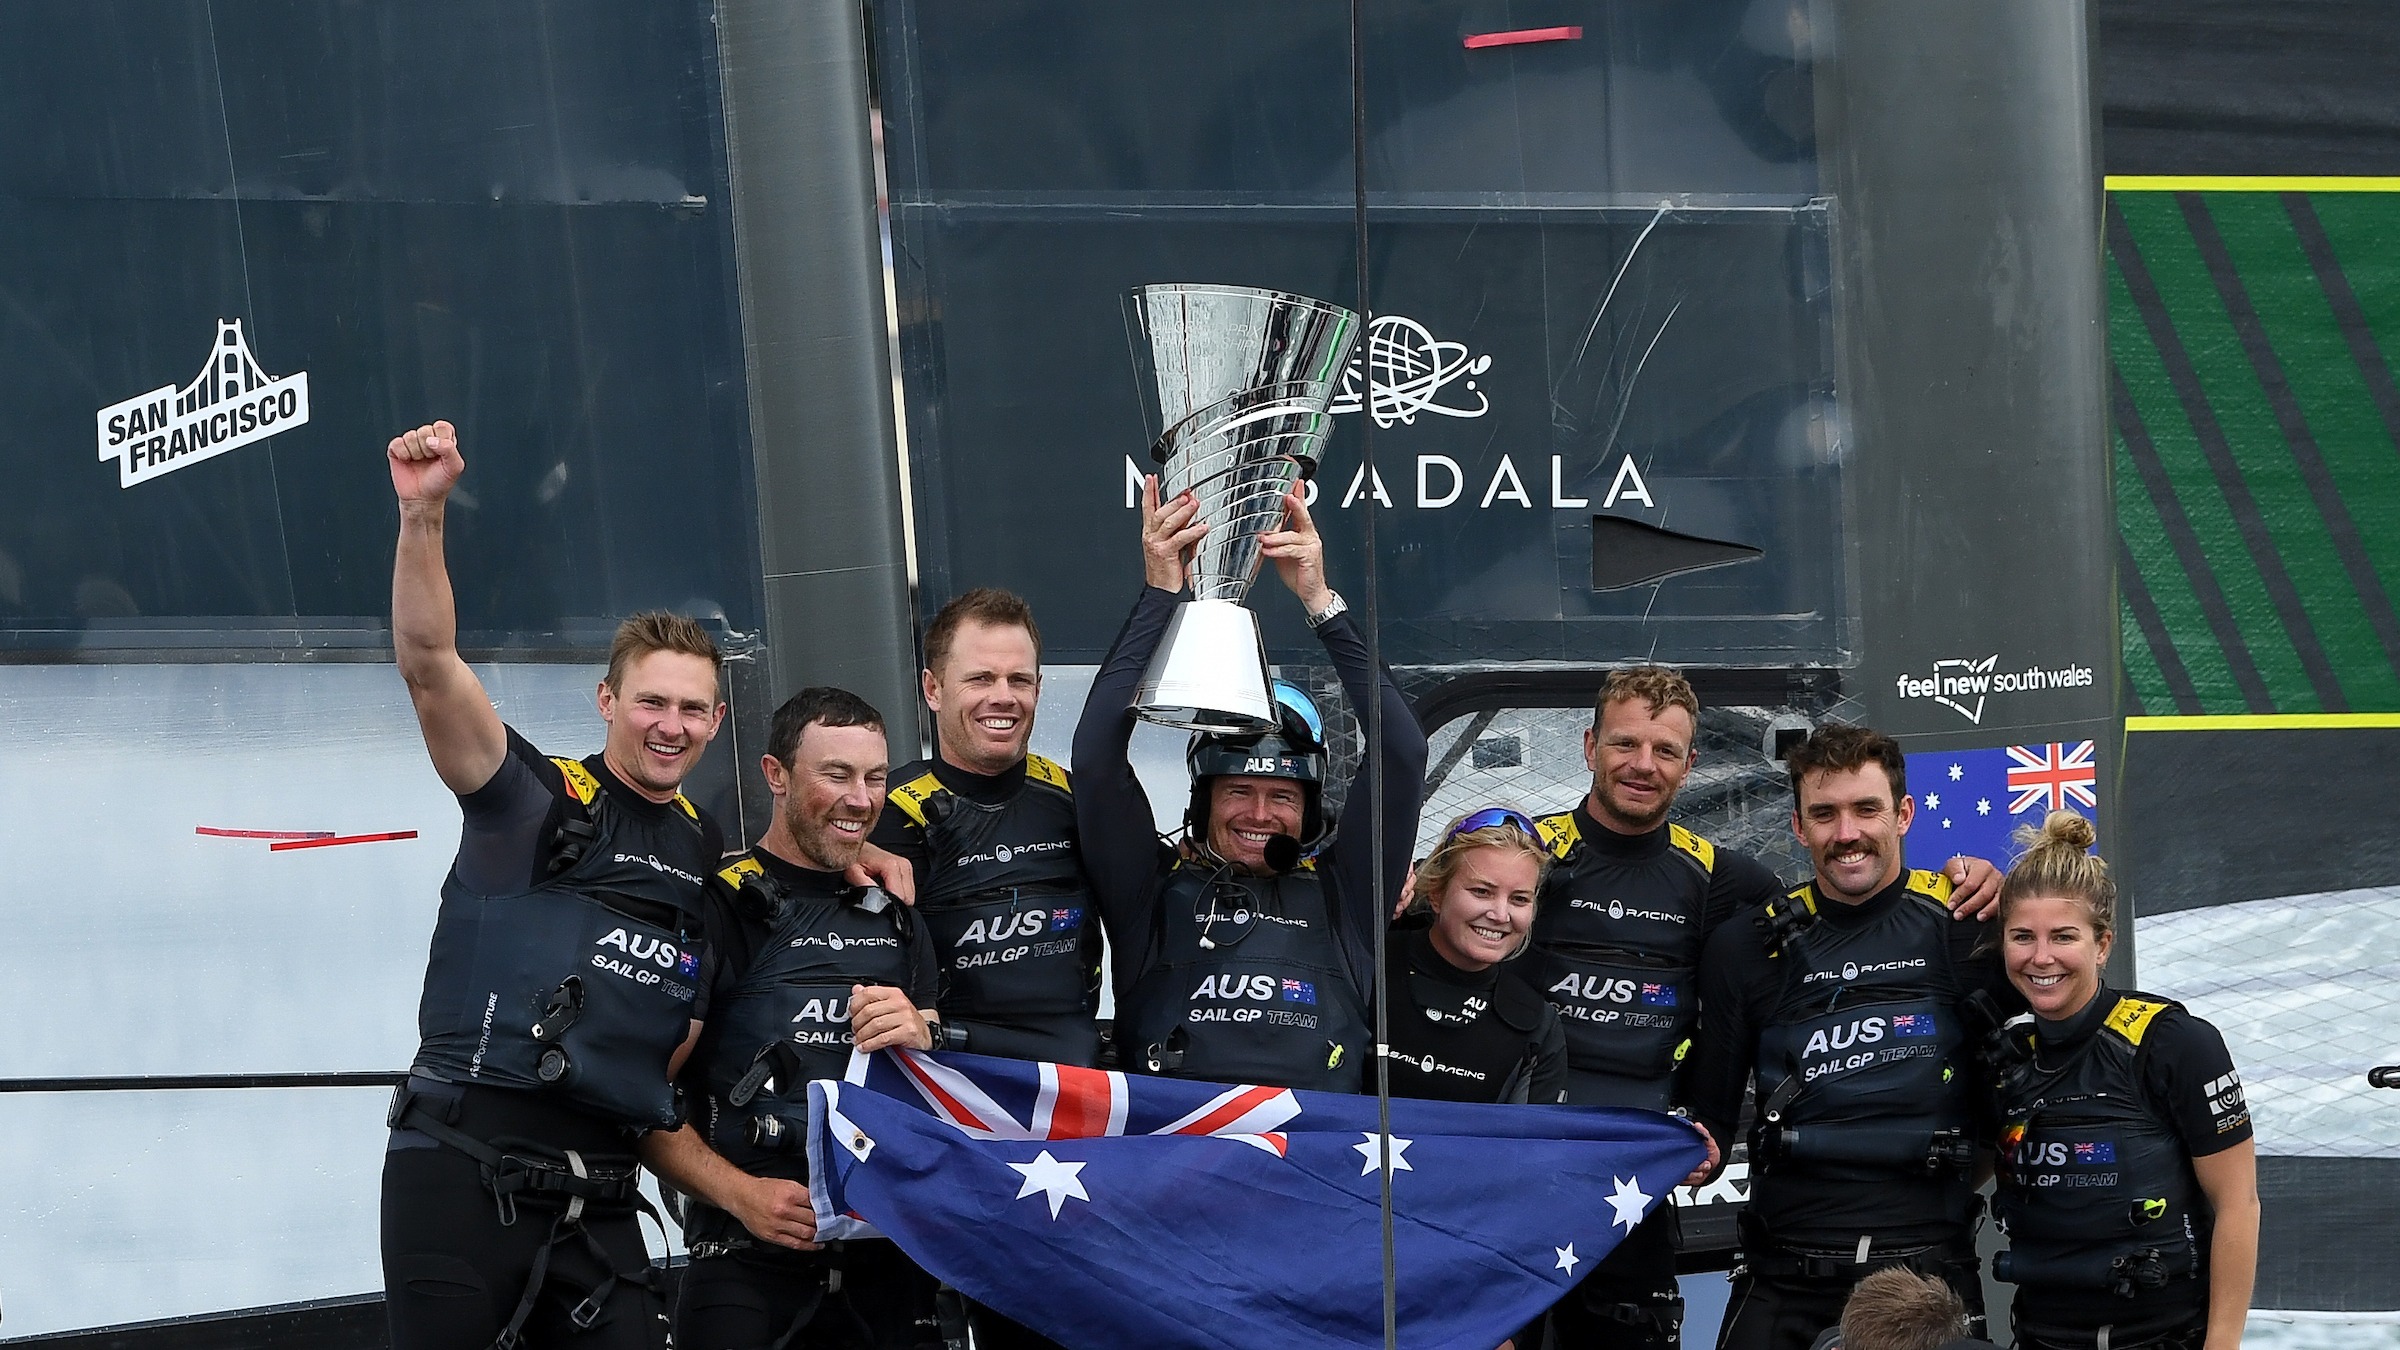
(1067, 1102)
(2051, 776)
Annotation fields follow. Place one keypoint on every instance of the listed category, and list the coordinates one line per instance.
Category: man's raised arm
(462, 732)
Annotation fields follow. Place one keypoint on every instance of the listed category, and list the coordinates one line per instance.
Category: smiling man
(561, 980)
(813, 966)
(1245, 956)
(1848, 1000)
(990, 829)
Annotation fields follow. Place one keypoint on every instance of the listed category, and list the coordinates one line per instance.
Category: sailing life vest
(1614, 949)
(1455, 1042)
(787, 1019)
(1861, 1065)
(2096, 1190)
(1010, 914)
(1246, 985)
(582, 984)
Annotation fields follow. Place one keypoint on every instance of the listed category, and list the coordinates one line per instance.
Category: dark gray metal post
(1960, 147)
(815, 345)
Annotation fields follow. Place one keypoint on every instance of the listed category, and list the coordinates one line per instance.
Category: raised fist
(425, 464)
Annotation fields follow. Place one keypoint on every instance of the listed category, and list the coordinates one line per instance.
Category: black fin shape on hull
(1630, 552)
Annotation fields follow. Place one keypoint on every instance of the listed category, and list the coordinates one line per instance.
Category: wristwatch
(1337, 605)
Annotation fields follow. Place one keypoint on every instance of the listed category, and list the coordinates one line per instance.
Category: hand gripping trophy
(1242, 377)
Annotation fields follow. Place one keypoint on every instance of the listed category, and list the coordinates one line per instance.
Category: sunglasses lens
(1495, 815)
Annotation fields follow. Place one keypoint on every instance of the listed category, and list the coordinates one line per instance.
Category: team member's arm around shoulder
(462, 731)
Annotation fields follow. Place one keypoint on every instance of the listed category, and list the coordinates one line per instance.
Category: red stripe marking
(1282, 1144)
(1232, 1111)
(1524, 35)
(214, 833)
(1082, 1108)
(329, 840)
(959, 1114)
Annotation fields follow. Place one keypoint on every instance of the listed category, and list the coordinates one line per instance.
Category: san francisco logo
(229, 404)
(1409, 369)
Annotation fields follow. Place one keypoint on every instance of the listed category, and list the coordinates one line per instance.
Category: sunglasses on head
(1491, 816)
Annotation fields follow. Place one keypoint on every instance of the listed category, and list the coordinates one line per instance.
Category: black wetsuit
(462, 1255)
(1467, 1035)
(793, 947)
(1001, 889)
(1851, 1018)
(1292, 1012)
(2107, 1223)
(1616, 946)
(1000, 885)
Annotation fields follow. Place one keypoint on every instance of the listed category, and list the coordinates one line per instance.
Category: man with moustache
(561, 978)
(990, 829)
(1617, 946)
(813, 965)
(1848, 1000)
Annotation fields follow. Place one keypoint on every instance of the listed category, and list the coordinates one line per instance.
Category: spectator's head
(2057, 917)
(1850, 808)
(982, 678)
(1639, 747)
(660, 700)
(1479, 884)
(1896, 1309)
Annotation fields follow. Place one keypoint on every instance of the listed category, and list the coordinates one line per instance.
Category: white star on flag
(1048, 1176)
(1983, 806)
(1628, 1202)
(1567, 1259)
(1368, 1150)
(1957, 773)
(1933, 801)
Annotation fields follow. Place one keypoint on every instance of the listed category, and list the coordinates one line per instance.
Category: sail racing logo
(229, 404)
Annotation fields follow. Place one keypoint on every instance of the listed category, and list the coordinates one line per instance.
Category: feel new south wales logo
(229, 404)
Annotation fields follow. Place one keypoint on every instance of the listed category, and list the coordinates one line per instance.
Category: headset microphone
(1282, 853)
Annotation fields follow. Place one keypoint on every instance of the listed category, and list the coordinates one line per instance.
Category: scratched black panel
(1554, 342)
(513, 214)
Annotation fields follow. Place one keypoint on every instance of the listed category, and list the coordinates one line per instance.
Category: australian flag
(1913, 1024)
(2102, 1151)
(1658, 995)
(1971, 801)
(1106, 1210)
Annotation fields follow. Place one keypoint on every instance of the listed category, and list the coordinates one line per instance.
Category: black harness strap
(508, 1174)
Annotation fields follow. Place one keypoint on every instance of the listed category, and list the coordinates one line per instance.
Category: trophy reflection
(1242, 379)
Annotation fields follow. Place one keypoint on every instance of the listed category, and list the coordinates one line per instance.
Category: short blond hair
(1898, 1309)
(1658, 687)
(657, 630)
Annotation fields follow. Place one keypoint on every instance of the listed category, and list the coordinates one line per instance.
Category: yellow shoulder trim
(579, 779)
(912, 795)
(2131, 1017)
(1559, 833)
(1932, 885)
(1693, 844)
(740, 871)
(1041, 770)
(1806, 894)
(686, 804)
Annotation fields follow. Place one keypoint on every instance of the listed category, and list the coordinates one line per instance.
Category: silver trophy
(1242, 377)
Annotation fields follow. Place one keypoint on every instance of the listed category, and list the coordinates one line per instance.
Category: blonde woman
(2128, 1179)
(1465, 1028)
